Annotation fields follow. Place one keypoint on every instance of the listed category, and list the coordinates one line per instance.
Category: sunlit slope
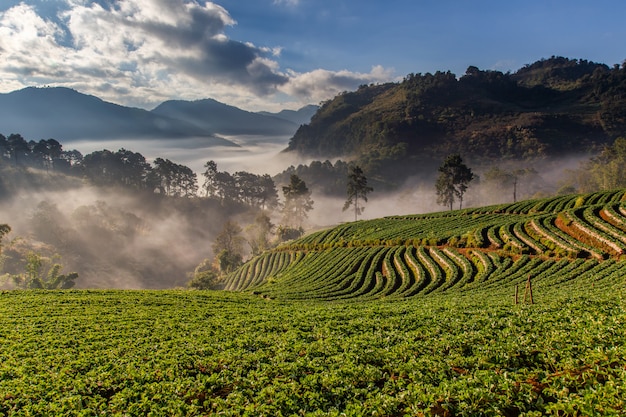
(568, 240)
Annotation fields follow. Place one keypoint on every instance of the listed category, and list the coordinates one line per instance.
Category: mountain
(552, 107)
(65, 114)
(223, 119)
(299, 117)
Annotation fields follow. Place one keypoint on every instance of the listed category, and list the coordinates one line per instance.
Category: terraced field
(555, 240)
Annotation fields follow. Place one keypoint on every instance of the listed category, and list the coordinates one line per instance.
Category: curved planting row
(408, 256)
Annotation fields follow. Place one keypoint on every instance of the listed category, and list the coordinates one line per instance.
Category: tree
(204, 277)
(228, 247)
(503, 179)
(258, 234)
(132, 168)
(173, 179)
(268, 195)
(210, 179)
(68, 160)
(357, 189)
(4, 148)
(41, 275)
(297, 202)
(99, 167)
(285, 233)
(605, 171)
(226, 188)
(46, 152)
(18, 148)
(454, 177)
(4, 230)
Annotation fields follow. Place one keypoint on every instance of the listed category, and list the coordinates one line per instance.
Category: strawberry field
(202, 353)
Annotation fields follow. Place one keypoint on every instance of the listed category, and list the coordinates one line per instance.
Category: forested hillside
(548, 108)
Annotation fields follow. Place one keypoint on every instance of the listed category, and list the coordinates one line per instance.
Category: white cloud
(321, 84)
(142, 52)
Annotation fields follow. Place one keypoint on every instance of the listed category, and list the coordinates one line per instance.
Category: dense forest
(551, 108)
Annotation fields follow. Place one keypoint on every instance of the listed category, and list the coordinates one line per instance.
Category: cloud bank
(142, 52)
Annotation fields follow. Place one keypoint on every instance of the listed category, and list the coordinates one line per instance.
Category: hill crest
(547, 108)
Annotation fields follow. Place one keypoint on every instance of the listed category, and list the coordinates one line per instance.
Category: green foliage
(285, 233)
(228, 261)
(204, 277)
(207, 353)
(42, 274)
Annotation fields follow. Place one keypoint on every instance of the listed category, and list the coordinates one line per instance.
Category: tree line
(128, 170)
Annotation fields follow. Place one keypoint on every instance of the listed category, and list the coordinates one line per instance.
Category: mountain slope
(66, 114)
(545, 109)
(299, 117)
(552, 240)
(220, 118)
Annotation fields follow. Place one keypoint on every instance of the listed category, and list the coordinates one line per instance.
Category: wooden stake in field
(529, 290)
(516, 294)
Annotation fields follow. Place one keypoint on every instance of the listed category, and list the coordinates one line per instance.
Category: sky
(284, 54)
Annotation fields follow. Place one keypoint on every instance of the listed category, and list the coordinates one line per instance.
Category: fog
(113, 239)
(417, 195)
(256, 154)
(116, 239)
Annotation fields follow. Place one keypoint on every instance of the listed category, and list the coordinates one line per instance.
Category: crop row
(405, 256)
(406, 271)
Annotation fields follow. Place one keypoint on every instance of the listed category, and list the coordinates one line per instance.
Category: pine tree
(357, 190)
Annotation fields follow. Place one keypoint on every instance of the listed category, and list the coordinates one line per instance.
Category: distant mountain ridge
(66, 114)
(213, 116)
(548, 108)
(299, 117)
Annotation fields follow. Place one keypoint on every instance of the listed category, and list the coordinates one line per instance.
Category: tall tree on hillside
(298, 202)
(173, 179)
(268, 195)
(46, 152)
(210, 179)
(357, 190)
(453, 180)
(228, 247)
(18, 148)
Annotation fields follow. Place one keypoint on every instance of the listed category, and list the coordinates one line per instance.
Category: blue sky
(274, 54)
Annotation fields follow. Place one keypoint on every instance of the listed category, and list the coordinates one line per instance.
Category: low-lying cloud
(148, 51)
